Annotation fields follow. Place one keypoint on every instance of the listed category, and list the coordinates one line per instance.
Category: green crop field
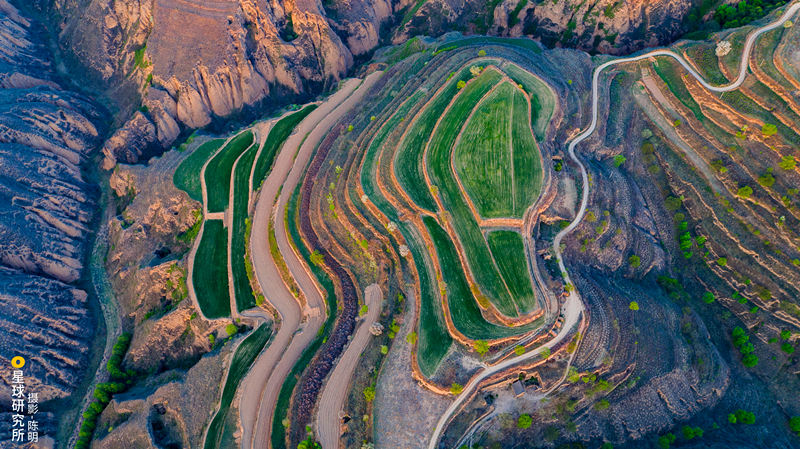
(218, 171)
(433, 339)
(243, 359)
(483, 156)
(464, 308)
(210, 276)
(670, 73)
(707, 63)
(408, 162)
(543, 101)
(187, 176)
(509, 253)
(528, 174)
(527, 44)
(472, 240)
(497, 158)
(241, 200)
(277, 136)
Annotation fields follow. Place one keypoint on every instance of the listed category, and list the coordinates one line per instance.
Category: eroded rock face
(192, 61)
(46, 207)
(607, 26)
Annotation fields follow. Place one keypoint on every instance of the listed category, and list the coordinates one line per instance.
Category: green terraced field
(528, 175)
(210, 275)
(497, 159)
(218, 171)
(543, 101)
(433, 339)
(469, 234)
(243, 359)
(277, 136)
(464, 308)
(408, 162)
(482, 157)
(241, 200)
(187, 175)
(509, 254)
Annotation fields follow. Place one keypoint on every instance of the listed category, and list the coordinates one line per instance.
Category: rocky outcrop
(46, 207)
(606, 26)
(191, 61)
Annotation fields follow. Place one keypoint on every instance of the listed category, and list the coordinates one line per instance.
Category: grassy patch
(469, 234)
(434, 341)
(277, 136)
(509, 253)
(528, 173)
(464, 308)
(705, 59)
(527, 44)
(543, 102)
(243, 359)
(218, 172)
(243, 292)
(409, 155)
(187, 176)
(483, 156)
(210, 274)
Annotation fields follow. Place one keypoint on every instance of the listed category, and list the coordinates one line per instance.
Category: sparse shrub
(745, 191)
(369, 393)
(602, 405)
(633, 305)
(691, 433)
(787, 348)
(794, 424)
(665, 441)
(519, 350)
(524, 421)
(231, 329)
(766, 180)
(460, 84)
(481, 347)
(456, 388)
(482, 53)
(722, 261)
(768, 130)
(672, 203)
(708, 297)
(744, 417)
(619, 160)
(787, 163)
(546, 353)
(634, 261)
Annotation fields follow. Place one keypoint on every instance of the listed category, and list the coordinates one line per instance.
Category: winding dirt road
(331, 402)
(573, 306)
(263, 383)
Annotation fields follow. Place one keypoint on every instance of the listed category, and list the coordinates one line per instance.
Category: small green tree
(519, 350)
(481, 53)
(369, 393)
(546, 353)
(665, 441)
(794, 424)
(456, 389)
(708, 297)
(635, 261)
(481, 347)
(633, 305)
(317, 258)
(524, 421)
(787, 163)
(722, 261)
(768, 130)
(460, 84)
(619, 160)
(231, 329)
(745, 191)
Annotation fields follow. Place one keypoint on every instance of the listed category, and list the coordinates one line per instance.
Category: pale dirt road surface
(336, 388)
(254, 386)
(279, 359)
(573, 307)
